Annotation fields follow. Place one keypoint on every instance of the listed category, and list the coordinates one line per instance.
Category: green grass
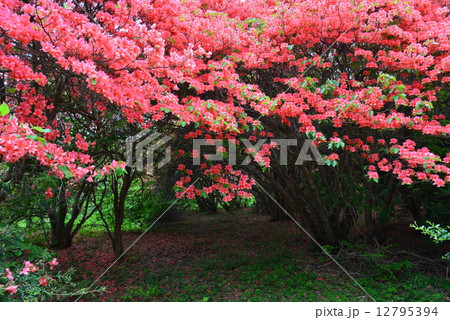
(239, 277)
(243, 257)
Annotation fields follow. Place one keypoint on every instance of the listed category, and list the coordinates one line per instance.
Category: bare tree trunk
(57, 222)
(117, 244)
(62, 231)
(119, 212)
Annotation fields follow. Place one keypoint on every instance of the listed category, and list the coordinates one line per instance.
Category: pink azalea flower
(11, 289)
(33, 268)
(25, 271)
(48, 193)
(43, 281)
(53, 263)
(9, 274)
(28, 267)
(373, 175)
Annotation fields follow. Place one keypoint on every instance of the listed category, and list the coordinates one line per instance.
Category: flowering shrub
(385, 69)
(29, 273)
(32, 282)
(38, 281)
(366, 81)
(35, 282)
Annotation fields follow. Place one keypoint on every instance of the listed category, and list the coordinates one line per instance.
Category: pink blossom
(11, 289)
(49, 193)
(43, 281)
(9, 274)
(28, 267)
(53, 263)
(373, 175)
(439, 183)
(25, 271)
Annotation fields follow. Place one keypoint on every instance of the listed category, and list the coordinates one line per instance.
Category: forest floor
(245, 257)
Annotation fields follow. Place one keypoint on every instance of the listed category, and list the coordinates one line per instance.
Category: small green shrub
(437, 233)
(15, 247)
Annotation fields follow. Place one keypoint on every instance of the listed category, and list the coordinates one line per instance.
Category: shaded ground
(241, 257)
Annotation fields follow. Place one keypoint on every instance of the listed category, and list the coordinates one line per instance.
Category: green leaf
(39, 129)
(42, 140)
(120, 172)
(94, 82)
(33, 137)
(395, 150)
(4, 109)
(66, 171)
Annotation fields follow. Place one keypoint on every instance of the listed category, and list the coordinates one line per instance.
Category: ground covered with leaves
(245, 257)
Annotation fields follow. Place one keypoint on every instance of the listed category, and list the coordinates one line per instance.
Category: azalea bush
(366, 82)
(36, 279)
(35, 282)
(29, 281)
(40, 281)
